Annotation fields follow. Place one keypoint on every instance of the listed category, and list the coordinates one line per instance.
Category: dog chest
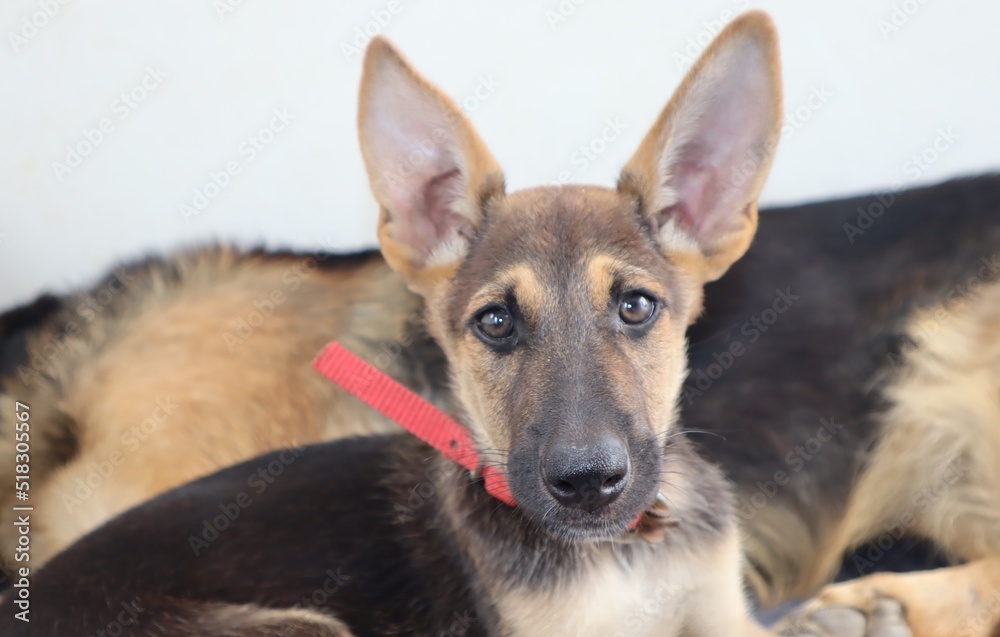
(611, 598)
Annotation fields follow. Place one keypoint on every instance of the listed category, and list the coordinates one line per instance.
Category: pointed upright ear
(429, 170)
(699, 171)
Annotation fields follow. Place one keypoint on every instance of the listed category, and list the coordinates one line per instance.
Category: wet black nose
(586, 477)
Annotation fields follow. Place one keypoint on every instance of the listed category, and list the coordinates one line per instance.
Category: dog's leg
(960, 600)
(935, 474)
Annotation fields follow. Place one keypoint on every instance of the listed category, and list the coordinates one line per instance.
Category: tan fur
(601, 270)
(530, 292)
(959, 600)
(600, 278)
(665, 367)
(936, 470)
(256, 621)
(781, 542)
(697, 592)
(935, 473)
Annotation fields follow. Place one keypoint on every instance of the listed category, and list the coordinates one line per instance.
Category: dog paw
(834, 614)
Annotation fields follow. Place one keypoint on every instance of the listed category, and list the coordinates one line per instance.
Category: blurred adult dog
(850, 369)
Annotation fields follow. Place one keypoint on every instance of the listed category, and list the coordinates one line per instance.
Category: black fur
(16, 324)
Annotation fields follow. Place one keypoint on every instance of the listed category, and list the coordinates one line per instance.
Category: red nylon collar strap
(433, 426)
(409, 411)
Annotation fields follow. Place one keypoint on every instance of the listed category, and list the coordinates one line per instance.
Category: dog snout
(586, 477)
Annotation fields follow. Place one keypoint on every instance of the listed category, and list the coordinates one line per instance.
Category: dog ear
(700, 169)
(429, 170)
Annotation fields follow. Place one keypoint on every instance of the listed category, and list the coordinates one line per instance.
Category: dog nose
(586, 477)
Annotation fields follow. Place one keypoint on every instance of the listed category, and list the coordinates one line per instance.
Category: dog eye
(636, 308)
(495, 323)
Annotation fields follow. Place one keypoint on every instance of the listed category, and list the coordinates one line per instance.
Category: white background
(889, 89)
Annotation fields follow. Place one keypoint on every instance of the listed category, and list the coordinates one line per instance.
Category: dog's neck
(512, 548)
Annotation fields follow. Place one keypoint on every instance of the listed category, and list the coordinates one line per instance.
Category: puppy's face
(564, 329)
(562, 310)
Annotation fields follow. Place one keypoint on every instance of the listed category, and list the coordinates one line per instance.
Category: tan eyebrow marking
(602, 272)
(527, 288)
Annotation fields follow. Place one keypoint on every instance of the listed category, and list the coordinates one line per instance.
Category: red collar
(433, 426)
(409, 411)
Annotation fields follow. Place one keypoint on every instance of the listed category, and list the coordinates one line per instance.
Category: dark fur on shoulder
(16, 324)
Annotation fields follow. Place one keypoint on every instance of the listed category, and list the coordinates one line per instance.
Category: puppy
(561, 312)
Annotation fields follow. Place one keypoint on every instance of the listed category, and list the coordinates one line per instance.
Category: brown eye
(636, 308)
(495, 323)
